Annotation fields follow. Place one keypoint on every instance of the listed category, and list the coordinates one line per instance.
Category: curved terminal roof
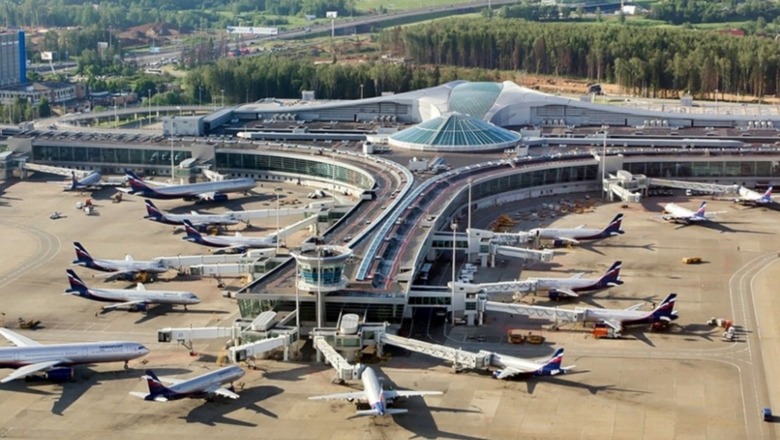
(455, 132)
(474, 99)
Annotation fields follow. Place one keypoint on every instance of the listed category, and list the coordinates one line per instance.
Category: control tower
(320, 271)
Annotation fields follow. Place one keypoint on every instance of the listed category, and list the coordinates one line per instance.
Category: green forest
(653, 61)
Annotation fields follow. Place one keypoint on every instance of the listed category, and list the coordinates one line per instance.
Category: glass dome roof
(455, 131)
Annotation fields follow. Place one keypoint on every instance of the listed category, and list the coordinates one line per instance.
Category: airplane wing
(124, 304)
(235, 249)
(17, 339)
(568, 240)
(509, 372)
(30, 369)
(614, 324)
(113, 276)
(356, 395)
(392, 394)
(580, 227)
(207, 195)
(577, 276)
(224, 392)
(568, 292)
(635, 307)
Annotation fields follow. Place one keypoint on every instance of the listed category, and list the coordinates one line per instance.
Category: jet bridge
(548, 313)
(60, 171)
(545, 255)
(243, 352)
(500, 287)
(185, 335)
(696, 186)
(344, 370)
(460, 359)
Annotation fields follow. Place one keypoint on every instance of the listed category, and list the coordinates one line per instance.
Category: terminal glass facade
(111, 156)
(533, 178)
(714, 168)
(241, 162)
(330, 275)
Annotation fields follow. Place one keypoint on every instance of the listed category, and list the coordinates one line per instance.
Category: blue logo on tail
(553, 365)
(82, 256)
(614, 226)
(665, 311)
(156, 388)
(192, 233)
(612, 276)
(77, 286)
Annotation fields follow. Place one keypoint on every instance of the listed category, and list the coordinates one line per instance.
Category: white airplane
(54, 361)
(750, 197)
(575, 285)
(678, 214)
(138, 299)
(203, 386)
(615, 318)
(374, 396)
(201, 221)
(216, 191)
(120, 269)
(237, 243)
(511, 366)
(91, 181)
(618, 319)
(580, 233)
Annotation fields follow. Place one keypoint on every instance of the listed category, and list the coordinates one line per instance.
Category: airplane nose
(143, 350)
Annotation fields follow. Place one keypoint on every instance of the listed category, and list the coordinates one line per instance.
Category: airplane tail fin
(77, 286)
(612, 276)
(82, 256)
(136, 183)
(553, 365)
(192, 232)
(665, 311)
(702, 208)
(613, 228)
(152, 211)
(767, 197)
(157, 391)
(74, 182)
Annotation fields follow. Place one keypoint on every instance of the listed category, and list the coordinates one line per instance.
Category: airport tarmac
(686, 383)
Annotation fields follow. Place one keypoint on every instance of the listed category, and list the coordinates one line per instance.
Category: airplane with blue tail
(237, 243)
(677, 214)
(215, 191)
(374, 397)
(125, 269)
(576, 285)
(92, 181)
(201, 221)
(749, 197)
(509, 366)
(204, 386)
(580, 233)
(138, 300)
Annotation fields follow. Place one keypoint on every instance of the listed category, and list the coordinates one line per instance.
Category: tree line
(270, 76)
(714, 11)
(652, 61)
(185, 14)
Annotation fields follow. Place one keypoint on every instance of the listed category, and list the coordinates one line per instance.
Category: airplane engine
(220, 197)
(139, 307)
(497, 373)
(60, 374)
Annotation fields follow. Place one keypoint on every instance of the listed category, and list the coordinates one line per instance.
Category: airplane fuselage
(624, 317)
(574, 284)
(123, 266)
(373, 390)
(194, 190)
(76, 353)
(198, 386)
(575, 234)
(148, 296)
(245, 242)
(196, 219)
